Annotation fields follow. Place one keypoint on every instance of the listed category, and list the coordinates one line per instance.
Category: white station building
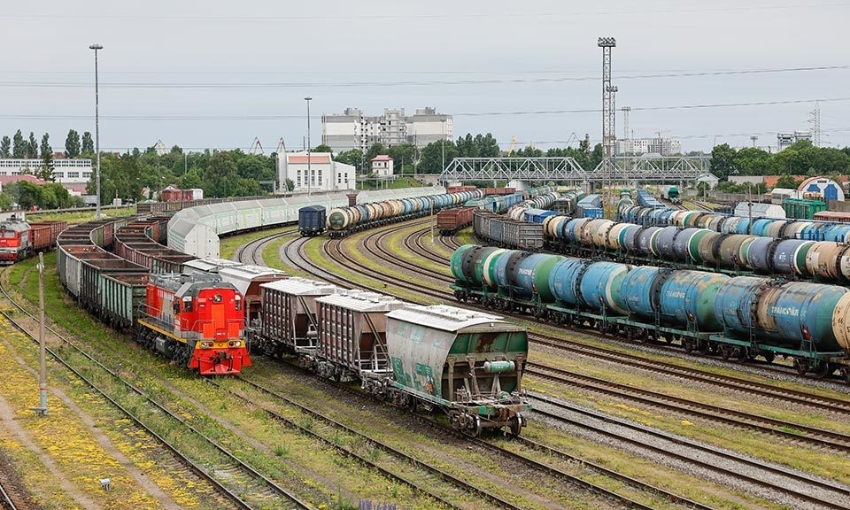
(328, 175)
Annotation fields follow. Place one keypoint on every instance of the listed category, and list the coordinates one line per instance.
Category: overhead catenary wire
(412, 83)
(272, 117)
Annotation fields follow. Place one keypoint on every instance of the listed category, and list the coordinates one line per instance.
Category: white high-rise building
(354, 130)
(662, 146)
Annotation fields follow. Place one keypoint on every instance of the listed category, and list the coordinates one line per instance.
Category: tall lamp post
(309, 158)
(97, 47)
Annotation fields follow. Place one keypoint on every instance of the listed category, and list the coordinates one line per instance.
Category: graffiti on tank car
(785, 311)
(526, 272)
(676, 294)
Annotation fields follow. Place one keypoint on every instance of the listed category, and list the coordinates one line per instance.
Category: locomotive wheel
(801, 366)
(725, 352)
(704, 347)
(688, 344)
(742, 354)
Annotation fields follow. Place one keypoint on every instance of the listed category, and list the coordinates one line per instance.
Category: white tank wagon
(467, 364)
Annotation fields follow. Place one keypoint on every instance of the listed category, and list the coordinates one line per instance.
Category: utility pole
(97, 47)
(42, 363)
(309, 158)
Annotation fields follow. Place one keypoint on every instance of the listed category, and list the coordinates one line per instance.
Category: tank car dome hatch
(827, 188)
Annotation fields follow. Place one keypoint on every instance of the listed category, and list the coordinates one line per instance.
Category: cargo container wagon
(311, 220)
(734, 317)
(449, 221)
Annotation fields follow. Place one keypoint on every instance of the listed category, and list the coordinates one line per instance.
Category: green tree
(5, 147)
(72, 144)
(753, 161)
(289, 185)
(87, 147)
(221, 176)
(437, 155)
(375, 150)
(322, 148)
(787, 181)
(351, 157)
(19, 147)
(722, 162)
(6, 201)
(32, 147)
(45, 172)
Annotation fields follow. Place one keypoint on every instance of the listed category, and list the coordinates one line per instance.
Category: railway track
(233, 479)
(6, 501)
(252, 252)
(394, 452)
(764, 477)
(790, 432)
(543, 468)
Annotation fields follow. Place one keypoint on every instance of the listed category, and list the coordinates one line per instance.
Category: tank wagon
(311, 220)
(345, 220)
(20, 239)
(119, 292)
(822, 228)
(544, 200)
(735, 317)
(689, 247)
(468, 365)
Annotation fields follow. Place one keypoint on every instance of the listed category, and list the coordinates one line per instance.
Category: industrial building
(327, 174)
(354, 130)
(65, 171)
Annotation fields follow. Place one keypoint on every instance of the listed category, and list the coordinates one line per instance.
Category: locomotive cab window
(176, 307)
(238, 302)
(187, 304)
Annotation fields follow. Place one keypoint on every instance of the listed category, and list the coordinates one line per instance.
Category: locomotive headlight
(235, 343)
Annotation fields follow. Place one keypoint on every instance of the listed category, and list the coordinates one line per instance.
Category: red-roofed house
(328, 175)
(382, 166)
(9, 179)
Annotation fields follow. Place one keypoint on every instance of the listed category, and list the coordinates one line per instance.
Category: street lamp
(309, 158)
(97, 47)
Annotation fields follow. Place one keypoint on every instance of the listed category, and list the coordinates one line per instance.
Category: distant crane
(256, 147)
(511, 148)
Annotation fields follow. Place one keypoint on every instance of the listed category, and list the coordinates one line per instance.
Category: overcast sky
(216, 74)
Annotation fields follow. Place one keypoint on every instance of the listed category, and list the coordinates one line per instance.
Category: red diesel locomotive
(20, 240)
(197, 320)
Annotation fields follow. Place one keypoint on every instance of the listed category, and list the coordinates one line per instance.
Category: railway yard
(614, 424)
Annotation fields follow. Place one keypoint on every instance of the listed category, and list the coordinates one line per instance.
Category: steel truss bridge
(624, 169)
